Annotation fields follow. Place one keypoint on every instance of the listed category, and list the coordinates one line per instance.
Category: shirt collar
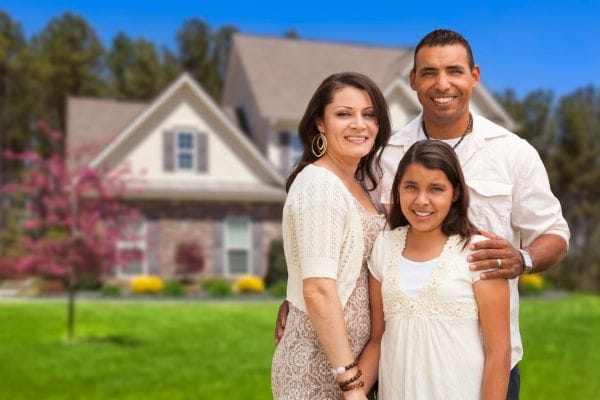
(482, 130)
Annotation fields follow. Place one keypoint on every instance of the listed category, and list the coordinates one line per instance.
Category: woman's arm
(327, 317)
(493, 299)
(369, 358)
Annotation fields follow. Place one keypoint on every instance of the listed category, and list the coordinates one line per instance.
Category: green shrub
(173, 288)
(88, 282)
(218, 287)
(278, 289)
(110, 290)
(276, 266)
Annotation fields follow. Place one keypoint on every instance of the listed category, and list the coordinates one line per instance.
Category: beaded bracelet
(353, 386)
(350, 380)
(340, 370)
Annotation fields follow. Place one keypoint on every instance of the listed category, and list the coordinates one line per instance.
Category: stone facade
(170, 223)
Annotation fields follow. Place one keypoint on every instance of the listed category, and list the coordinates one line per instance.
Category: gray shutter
(202, 152)
(169, 150)
(152, 247)
(257, 263)
(218, 255)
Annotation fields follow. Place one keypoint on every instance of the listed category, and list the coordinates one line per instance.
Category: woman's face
(426, 196)
(349, 124)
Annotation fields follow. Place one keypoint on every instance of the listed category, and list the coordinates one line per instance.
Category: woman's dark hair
(307, 130)
(434, 154)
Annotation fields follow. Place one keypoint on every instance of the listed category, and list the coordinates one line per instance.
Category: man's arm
(284, 309)
(546, 250)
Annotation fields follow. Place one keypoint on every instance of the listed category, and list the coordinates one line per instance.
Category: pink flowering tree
(73, 220)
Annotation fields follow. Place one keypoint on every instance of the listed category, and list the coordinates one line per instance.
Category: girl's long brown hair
(434, 154)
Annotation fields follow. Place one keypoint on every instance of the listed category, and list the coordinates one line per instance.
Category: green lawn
(193, 350)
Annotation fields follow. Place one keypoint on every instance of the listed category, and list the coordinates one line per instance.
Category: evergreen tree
(578, 161)
(15, 105)
(135, 69)
(67, 59)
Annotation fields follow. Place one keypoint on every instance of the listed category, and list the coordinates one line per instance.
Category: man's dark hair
(444, 37)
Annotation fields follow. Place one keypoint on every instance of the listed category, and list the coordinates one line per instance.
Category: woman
(446, 333)
(329, 224)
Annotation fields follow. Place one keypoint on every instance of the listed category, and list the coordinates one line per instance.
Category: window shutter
(219, 252)
(257, 262)
(202, 152)
(169, 150)
(152, 247)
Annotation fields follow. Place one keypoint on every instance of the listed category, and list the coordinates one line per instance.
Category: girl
(442, 332)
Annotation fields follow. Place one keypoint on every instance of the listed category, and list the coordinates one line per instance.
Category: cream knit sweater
(322, 234)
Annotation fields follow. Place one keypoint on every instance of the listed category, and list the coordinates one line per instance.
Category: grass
(194, 350)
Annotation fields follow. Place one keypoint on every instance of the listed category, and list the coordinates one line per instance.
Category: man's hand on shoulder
(498, 254)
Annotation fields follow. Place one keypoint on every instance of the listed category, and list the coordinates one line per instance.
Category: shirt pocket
(491, 205)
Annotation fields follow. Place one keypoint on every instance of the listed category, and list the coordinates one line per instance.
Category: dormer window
(185, 151)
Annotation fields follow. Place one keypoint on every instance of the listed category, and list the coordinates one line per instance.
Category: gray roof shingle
(303, 64)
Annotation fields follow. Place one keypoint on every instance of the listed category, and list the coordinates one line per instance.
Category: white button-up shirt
(508, 187)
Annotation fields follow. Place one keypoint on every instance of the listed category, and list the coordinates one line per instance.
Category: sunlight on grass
(194, 350)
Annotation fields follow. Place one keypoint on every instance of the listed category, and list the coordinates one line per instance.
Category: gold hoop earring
(320, 141)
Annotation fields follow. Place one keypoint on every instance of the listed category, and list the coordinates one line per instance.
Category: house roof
(95, 122)
(284, 73)
(109, 123)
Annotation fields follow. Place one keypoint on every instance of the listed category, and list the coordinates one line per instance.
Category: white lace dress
(300, 368)
(431, 348)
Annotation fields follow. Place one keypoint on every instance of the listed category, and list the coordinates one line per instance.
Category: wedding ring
(499, 261)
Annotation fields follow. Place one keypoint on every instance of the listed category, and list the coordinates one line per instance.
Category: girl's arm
(327, 317)
(493, 298)
(369, 358)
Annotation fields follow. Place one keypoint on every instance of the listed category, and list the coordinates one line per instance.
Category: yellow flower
(531, 283)
(249, 283)
(146, 284)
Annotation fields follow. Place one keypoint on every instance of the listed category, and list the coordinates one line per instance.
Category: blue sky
(524, 45)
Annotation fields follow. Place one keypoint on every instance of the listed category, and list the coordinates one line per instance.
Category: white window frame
(227, 247)
(192, 151)
(293, 153)
(140, 243)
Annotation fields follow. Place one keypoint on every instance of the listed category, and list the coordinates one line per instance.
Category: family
(403, 251)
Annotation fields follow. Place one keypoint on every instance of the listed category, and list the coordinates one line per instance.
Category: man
(510, 195)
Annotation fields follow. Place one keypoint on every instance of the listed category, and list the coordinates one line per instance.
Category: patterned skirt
(300, 368)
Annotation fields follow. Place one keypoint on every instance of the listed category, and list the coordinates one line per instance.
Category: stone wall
(172, 223)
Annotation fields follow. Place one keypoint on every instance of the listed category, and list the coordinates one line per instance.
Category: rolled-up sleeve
(536, 211)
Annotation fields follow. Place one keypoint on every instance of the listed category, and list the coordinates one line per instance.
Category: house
(203, 182)
(214, 173)
(270, 80)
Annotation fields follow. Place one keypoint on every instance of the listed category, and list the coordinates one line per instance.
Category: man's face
(444, 82)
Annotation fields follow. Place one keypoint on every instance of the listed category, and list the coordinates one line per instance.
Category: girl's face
(426, 196)
(349, 124)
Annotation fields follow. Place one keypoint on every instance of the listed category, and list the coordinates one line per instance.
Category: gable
(234, 169)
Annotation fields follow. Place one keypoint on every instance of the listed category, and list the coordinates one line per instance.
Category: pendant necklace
(467, 130)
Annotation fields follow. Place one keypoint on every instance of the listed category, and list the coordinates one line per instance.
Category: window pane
(185, 140)
(237, 233)
(132, 261)
(185, 161)
(238, 261)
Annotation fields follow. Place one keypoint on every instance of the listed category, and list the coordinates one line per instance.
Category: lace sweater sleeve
(315, 221)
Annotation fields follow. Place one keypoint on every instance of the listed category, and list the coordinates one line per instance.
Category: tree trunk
(71, 309)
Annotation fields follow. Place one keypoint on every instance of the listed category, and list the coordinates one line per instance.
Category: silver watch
(527, 263)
